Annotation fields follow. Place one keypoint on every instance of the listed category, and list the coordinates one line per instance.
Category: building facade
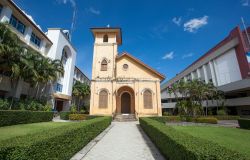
(80, 76)
(54, 44)
(121, 84)
(227, 66)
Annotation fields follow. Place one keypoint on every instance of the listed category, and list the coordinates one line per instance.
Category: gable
(136, 68)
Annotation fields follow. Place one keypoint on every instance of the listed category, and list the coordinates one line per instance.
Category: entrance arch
(125, 100)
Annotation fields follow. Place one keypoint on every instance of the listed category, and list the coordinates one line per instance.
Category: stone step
(125, 117)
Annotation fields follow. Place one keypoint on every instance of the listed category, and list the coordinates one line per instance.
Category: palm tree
(80, 90)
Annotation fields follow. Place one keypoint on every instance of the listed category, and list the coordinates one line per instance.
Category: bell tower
(106, 42)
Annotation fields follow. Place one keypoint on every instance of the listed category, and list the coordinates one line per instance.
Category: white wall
(227, 68)
(55, 52)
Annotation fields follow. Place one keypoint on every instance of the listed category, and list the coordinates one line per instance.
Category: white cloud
(94, 11)
(177, 21)
(72, 2)
(169, 55)
(187, 55)
(245, 3)
(194, 24)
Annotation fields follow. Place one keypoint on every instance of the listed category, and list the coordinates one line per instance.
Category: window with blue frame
(17, 24)
(58, 87)
(34, 39)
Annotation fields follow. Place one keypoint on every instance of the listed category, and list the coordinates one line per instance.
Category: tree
(191, 95)
(80, 90)
(20, 62)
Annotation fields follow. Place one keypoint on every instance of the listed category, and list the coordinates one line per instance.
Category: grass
(24, 129)
(231, 138)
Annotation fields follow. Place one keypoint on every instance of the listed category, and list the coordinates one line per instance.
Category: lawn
(24, 129)
(232, 138)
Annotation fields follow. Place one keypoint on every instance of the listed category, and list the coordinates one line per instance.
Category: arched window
(104, 65)
(147, 99)
(103, 99)
(105, 38)
(64, 56)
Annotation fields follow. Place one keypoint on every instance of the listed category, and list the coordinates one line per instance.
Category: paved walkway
(124, 141)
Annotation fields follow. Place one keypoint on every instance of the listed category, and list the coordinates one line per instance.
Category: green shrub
(226, 117)
(57, 144)
(64, 115)
(77, 117)
(73, 108)
(244, 123)
(4, 104)
(210, 120)
(177, 145)
(167, 114)
(221, 112)
(165, 119)
(12, 117)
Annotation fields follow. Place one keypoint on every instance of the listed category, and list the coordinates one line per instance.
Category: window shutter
(103, 99)
(147, 99)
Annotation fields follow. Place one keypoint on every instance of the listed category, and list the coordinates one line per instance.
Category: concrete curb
(81, 154)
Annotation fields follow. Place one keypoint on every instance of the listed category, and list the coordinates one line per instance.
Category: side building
(227, 66)
(54, 44)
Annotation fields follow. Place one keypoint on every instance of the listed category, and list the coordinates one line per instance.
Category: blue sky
(166, 35)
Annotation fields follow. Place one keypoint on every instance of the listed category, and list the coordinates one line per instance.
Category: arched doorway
(125, 100)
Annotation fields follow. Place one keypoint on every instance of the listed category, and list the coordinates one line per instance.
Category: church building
(121, 83)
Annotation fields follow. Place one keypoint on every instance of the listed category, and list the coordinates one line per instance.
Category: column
(205, 73)
(198, 73)
(192, 76)
(5, 14)
(27, 34)
(212, 73)
(216, 73)
(185, 78)
(43, 47)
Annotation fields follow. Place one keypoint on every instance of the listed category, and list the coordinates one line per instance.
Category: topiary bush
(64, 115)
(77, 117)
(244, 123)
(210, 120)
(13, 117)
(177, 145)
(59, 143)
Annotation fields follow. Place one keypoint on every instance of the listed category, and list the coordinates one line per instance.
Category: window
(58, 87)
(36, 40)
(103, 99)
(125, 66)
(17, 24)
(64, 57)
(147, 99)
(1, 8)
(104, 65)
(105, 38)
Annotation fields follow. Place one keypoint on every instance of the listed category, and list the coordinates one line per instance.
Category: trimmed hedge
(226, 117)
(165, 119)
(77, 117)
(12, 117)
(210, 120)
(244, 123)
(176, 145)
(64, 115)
(58, 144)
